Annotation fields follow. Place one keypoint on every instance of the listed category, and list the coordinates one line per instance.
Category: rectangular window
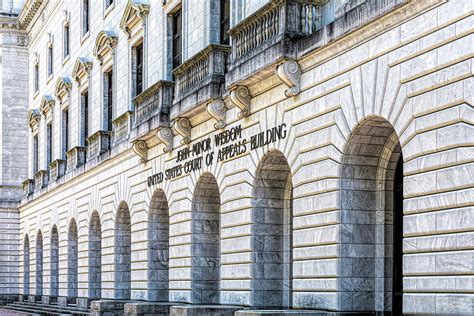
(35, 154)
(36, 78)
(85, 116)
(177, 45)
(65, 132)
(109, 99)
(225, 21)
(139, 69)
(50, 60)
(85, 16)
(66, 41)
(49, 144)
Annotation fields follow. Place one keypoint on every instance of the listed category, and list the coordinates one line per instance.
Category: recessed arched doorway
(206, 241)
(158, 239)
(123, 252)
(272, 232)
(95, 256)
(372, 218)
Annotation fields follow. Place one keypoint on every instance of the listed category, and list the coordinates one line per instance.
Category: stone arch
(371, 218)
(54, 261)
(39, 263)
(95, 256)
(72, 258)
(272, 203)
(158, 238)
(205, 260)
(123, 252)
(26, 265)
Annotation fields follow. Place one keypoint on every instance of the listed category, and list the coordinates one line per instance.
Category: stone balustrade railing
(192, 74)
(157, 98)
(279, 17)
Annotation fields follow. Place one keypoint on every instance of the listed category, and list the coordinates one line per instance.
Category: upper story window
(84, 117)
(108, 3)
(66, 40)
(225, 21)
(36, 77)
(50, 60)
(49, 143)
(108, 98)
(65, 132)
(85, 16)
(35, 154)
(177, 38)
(138, 68)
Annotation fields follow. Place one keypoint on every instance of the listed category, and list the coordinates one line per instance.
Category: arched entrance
(72, 260)
(39, 263)
(54, 261)
(372, 216)
(123, 252)
(95, 251)
(272, 232)
(158, 238)
(206, 241)
(26, 266)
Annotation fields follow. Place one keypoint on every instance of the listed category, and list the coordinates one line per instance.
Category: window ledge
(85, 36)
(108, 9)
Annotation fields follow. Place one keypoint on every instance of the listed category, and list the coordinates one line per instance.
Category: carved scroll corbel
(182, 126)
(217, 109)
(141, 149)
(165, 135)
(290, 73)
(240, 97)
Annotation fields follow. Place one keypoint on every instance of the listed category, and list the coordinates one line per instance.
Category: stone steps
(44, 309)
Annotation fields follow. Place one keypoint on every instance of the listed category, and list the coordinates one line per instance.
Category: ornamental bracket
(165, 135)
(182, 126)
(289, 73)
(141, 149)
(240, 97)
(216, 108)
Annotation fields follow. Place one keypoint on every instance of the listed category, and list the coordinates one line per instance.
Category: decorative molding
(217, 109)
(165, 135)
(290, 73)
(82, 68)
(41, 179)
(34, 117)
(76, 157)
(121, 126)
(28, 187)
(240, 97)
(57, 169)
(47, 104)
(135, 12)
(140, 148)
(63, 88)
(105, 44)
(182, 126)
(98, 143)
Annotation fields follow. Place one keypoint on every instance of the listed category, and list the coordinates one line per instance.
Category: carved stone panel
(41, 179)
(28, 187)
(57, 169)
(122, 127)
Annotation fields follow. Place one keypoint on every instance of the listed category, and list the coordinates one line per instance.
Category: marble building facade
(275, 154)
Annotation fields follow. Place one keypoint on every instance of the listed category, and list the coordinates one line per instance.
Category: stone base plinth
(47, 299)
(64, 300)
(108, 307)
(148, 308)
(208, 310)
(34, 298)
(83, 302)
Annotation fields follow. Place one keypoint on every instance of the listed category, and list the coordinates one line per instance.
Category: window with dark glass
(50, 60)
(66, 40)
(35, 154)
(49, 143)
(65, 132)
(109, 98)
(177, 46)
(36, 78)
(139, 69)
(108, 3)
(85, 117)
(225, 21)
(85, 16)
